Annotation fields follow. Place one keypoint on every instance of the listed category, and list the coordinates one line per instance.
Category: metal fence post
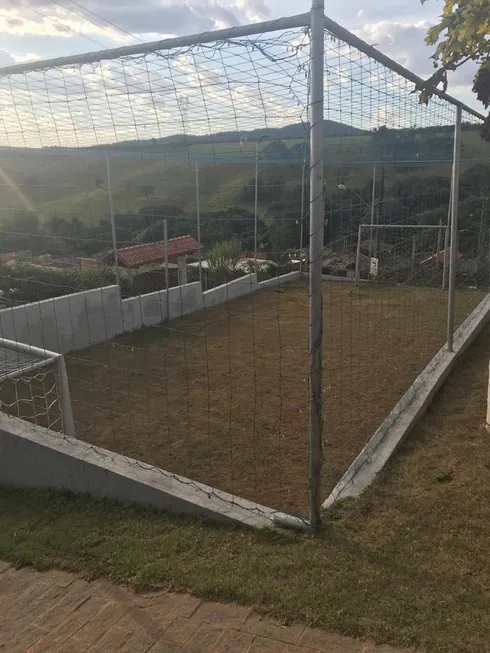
(454, 229)
(358, 256)
(316, 251)
(165, 250)
(198, 216)
(113, 219)
(67, 420)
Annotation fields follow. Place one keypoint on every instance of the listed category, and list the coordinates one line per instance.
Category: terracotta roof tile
(148, 253)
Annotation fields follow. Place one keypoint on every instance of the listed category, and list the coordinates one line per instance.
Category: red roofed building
(137, 256)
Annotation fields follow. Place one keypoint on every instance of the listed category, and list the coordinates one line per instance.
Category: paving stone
(228, 616)
(78, 592)
(265, 628)
(93, 630)
(69, 626)
(111, 641)
(21, 641)
(180, 630)
(61, 578)
(234, 641)
(266, 645)
(166, 647)
(177, 604)
(204, 640)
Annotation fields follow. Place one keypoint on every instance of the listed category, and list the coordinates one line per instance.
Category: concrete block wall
(281, 280)
(229, 291)
(66, 323)
(90, 317)
(151, 309)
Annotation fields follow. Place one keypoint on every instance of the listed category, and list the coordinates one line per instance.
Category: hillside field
(72, 183)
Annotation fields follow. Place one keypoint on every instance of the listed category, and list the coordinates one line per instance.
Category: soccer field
(221, 396)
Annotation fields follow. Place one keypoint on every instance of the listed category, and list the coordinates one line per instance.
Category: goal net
(34, 386)
(411, 255)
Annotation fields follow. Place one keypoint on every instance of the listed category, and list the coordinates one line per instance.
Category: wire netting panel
(393, 173)
(29, 389)
(189, 168)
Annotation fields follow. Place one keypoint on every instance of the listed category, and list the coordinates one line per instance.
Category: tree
(461, 35)
(224, 255)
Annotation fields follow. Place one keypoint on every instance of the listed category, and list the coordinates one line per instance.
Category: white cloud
(163, 17)
(6, 59)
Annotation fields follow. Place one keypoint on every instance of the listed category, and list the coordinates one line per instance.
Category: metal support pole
(67, 420)
(317, 218)
(198, 216)
(358, 256)
(113, 220)
(256, 204)
(438, 245)
(454, 230)
(301, 233)
(373, 209)
(165, 247)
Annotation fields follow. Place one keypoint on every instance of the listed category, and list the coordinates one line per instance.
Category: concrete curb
(408, 410)
(32, 457)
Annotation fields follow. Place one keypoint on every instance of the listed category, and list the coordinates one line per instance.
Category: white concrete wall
(90, 317)
(231, 290)
(281, 280)
(65, 323)
(151, 309)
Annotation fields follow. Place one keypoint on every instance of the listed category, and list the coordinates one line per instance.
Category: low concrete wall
(31, 457)
(66, 323)
(151, 309)
(408, 410)
(229, 291)
(281, 280)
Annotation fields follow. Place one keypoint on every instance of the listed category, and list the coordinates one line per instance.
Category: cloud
(160, 17)
(6, 59)
(196, 91)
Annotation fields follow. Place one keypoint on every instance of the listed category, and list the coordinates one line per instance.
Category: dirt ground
(221, 396)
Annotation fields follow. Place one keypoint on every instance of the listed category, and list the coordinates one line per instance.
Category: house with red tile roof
(137, 256)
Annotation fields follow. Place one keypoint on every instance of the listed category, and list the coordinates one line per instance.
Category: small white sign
(374, 266)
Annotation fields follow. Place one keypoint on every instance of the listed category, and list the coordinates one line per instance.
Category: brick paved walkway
(55, 612)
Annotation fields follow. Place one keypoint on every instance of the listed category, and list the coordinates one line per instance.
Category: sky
(38, 29)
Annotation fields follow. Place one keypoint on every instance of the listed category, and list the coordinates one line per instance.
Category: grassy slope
(407, 563)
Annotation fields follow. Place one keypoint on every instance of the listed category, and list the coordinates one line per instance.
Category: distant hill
(295, 131)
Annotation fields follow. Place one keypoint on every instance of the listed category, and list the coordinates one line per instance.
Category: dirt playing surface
(221, 396)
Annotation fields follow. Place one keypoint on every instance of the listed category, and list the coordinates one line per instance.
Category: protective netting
(29, 389)
(193, 164)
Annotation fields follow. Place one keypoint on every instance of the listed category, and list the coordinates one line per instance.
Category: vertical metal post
(317, 218)
(373, 209)
(358, 256)
(256, 204)
(165, 247)
(438, 246)
(113, 219)
(414, 251)
(302, 216)
(198, 216)
(67, 420)
(454, 229)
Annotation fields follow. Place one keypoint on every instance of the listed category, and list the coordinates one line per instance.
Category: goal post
(25, 364)
(409, 254)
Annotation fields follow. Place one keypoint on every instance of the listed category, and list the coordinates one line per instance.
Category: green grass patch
(405, 564)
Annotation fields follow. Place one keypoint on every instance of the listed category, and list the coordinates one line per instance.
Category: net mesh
(28, 388)
(184, 366)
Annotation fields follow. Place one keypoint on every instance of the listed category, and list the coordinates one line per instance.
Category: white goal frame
(35, 359)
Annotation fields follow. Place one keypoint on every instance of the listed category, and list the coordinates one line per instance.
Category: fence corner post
(315, 265)
(454, 229)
